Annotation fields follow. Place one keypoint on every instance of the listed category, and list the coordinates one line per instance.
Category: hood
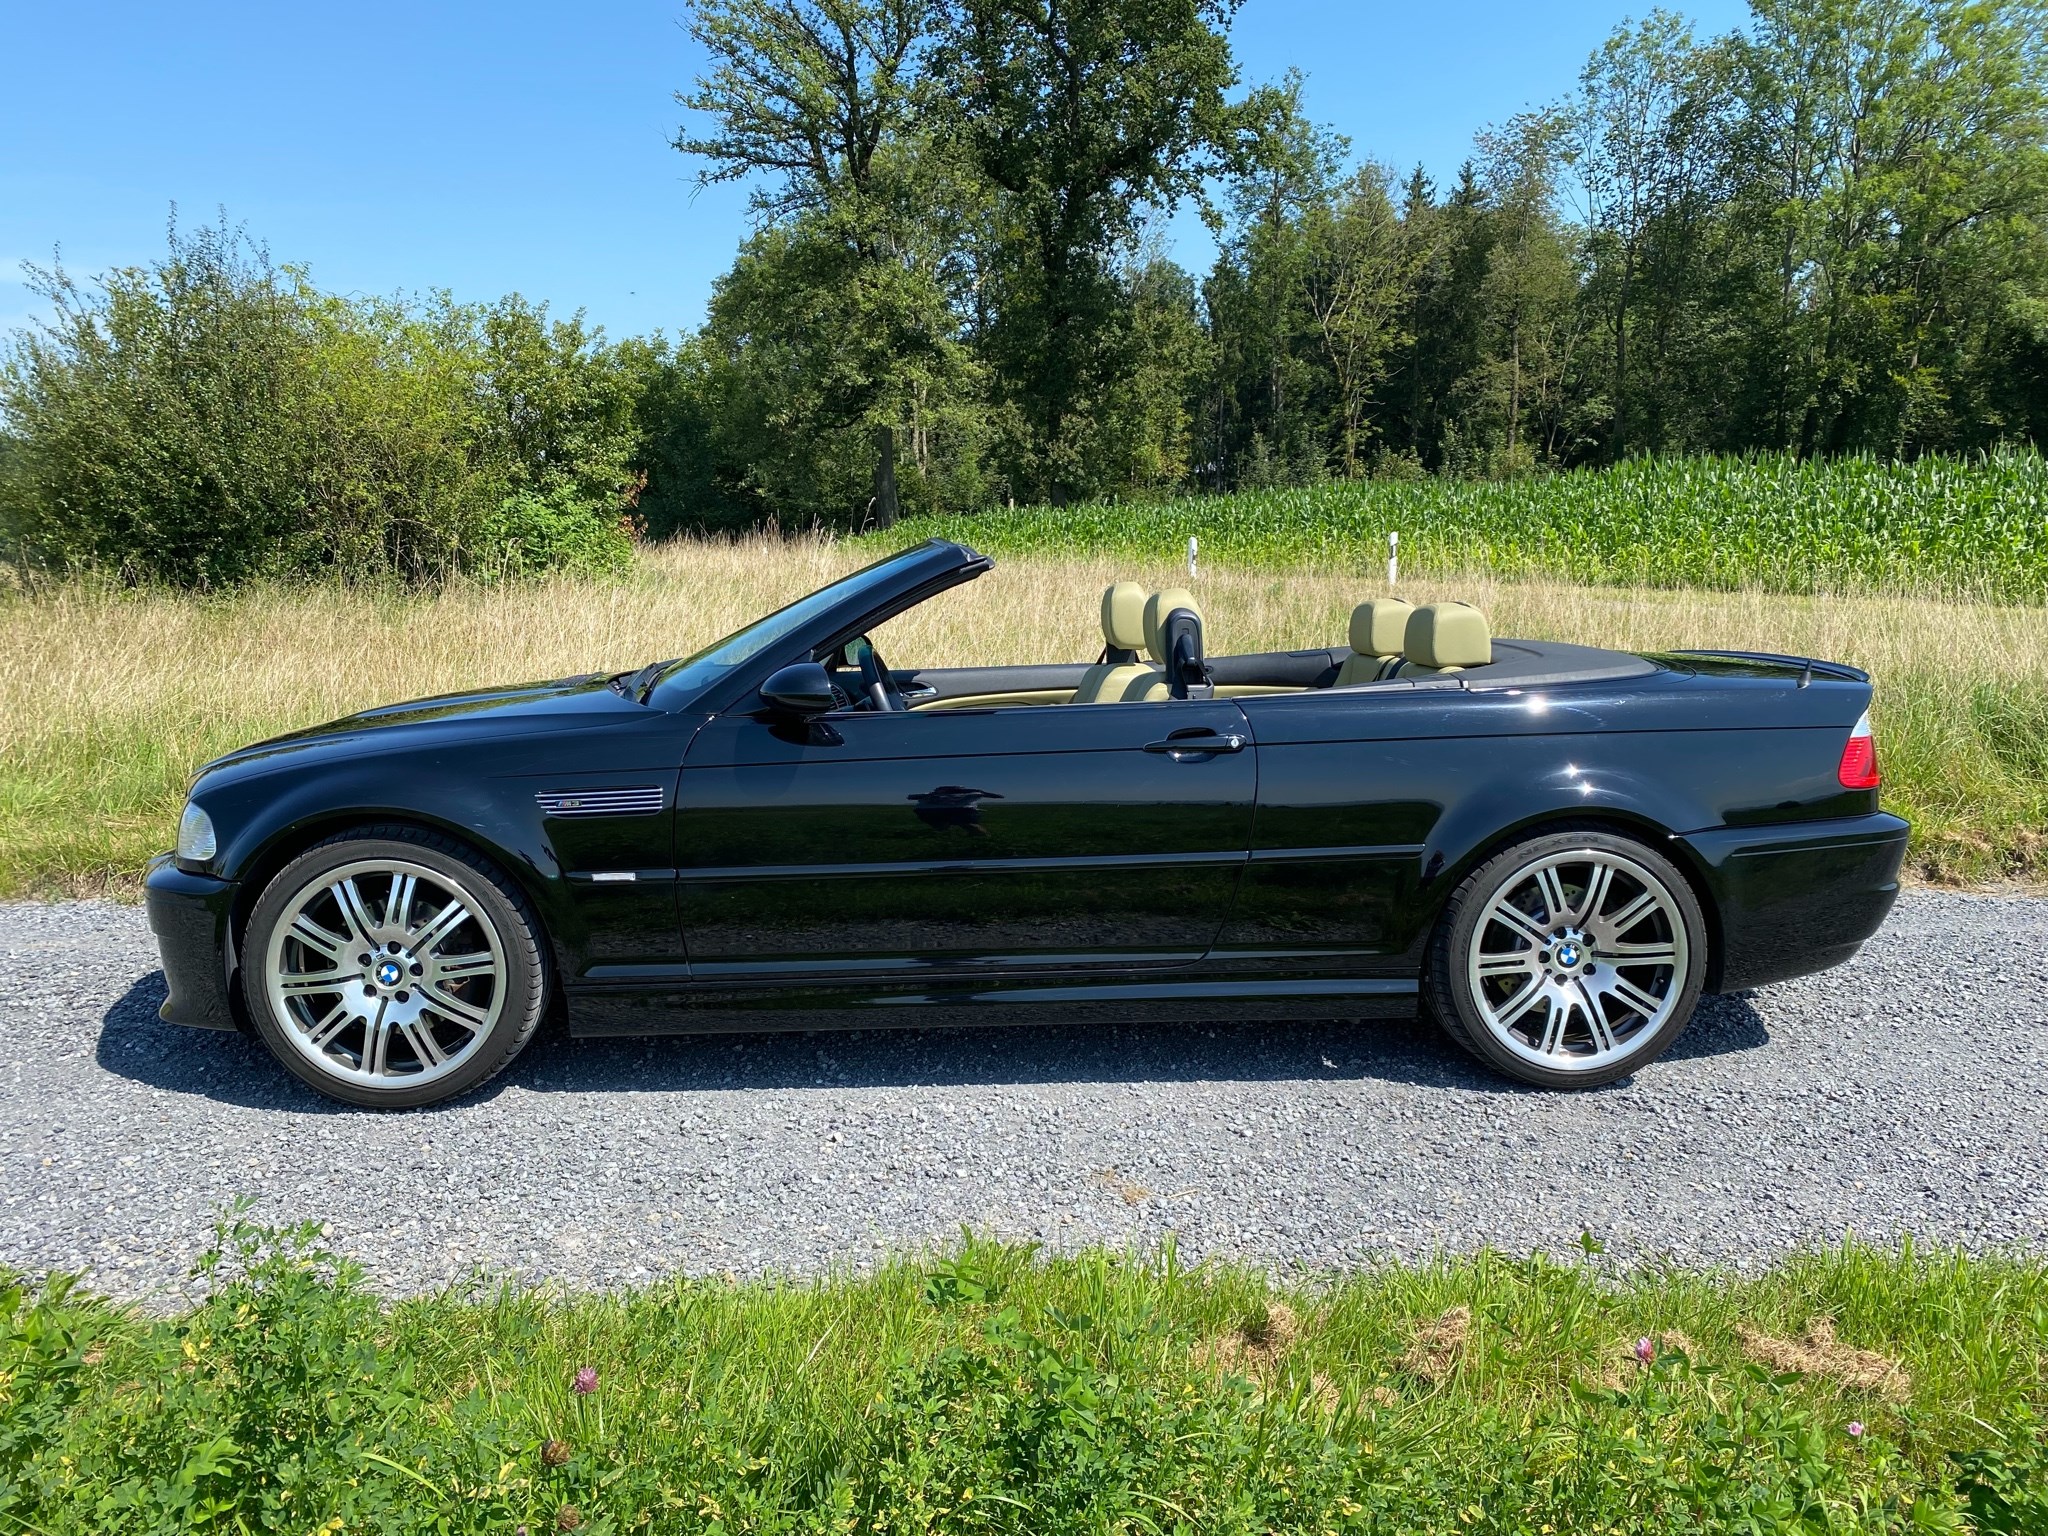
(568, 703)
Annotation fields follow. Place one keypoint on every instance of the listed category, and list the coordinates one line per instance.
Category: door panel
(1343, 818)
(975, 840)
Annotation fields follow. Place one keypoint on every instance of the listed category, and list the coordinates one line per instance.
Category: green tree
(798, 364)
(822, 105)
(1893, 159)
(1080, 115)
(1285, 169)
(1358, 284)
(1629, 138)
(1529, 294)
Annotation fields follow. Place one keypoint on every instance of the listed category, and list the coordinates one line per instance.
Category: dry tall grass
(109, 700)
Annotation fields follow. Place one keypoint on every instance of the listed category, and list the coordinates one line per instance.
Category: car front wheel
(1569, 960)
(393, 968)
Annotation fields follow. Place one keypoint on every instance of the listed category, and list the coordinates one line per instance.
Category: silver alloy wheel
(385, 973)
(1579, 959)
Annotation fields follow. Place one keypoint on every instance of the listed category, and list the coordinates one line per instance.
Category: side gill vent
(600, 802)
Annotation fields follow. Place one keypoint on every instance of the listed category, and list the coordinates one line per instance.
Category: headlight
(195, 835)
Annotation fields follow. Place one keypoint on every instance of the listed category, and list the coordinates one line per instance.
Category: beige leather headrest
(1157, 607)
(1379, 627)
(1447, 635)
(1123, 616)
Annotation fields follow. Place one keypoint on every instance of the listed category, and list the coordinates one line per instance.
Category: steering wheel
(883, 695)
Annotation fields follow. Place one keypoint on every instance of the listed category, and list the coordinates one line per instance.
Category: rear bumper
(191, 916)
(1797, 899)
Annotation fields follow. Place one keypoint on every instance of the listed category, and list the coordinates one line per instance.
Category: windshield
(695, 673)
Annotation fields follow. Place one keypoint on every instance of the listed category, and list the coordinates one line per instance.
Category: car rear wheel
(393, 968)
(1569, 960)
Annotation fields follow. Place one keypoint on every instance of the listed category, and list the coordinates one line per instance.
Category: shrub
(212, 419)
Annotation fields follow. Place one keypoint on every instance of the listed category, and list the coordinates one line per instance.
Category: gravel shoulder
(1903, 1093)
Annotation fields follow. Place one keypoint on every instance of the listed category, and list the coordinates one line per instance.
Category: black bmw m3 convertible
(1552, 849)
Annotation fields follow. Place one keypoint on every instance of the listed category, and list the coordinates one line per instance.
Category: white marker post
(1393, 560)
(1191, 557)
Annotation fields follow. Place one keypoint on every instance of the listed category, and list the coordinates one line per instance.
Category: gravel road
(1907, 1092)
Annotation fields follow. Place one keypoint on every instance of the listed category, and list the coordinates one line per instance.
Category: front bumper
(192, 918)
(1797, 898)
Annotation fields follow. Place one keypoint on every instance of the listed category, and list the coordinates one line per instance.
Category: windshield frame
(882, 587)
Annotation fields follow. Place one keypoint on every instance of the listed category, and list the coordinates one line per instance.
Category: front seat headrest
(1379, 626)
(1123, 620)
(1447, 635)
(1157, 607)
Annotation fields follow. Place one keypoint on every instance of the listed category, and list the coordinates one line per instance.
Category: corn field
(1973, 528)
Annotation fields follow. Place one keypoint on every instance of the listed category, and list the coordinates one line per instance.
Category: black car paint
(991, 863)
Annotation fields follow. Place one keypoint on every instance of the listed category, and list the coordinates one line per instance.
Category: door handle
(1204, 745)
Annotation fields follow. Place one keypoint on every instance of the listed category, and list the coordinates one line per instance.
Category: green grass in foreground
(997, 1391)
(1970, 528)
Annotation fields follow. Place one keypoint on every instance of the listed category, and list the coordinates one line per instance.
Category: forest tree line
(1823, 233)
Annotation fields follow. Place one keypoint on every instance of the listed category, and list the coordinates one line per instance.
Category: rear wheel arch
(1448, 876)
(1582, 971)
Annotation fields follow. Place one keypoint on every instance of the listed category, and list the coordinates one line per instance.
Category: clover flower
(585, 1382)
(1645, 1350)
(1856, 1429)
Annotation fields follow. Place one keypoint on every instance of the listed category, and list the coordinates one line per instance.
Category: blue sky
(523, 146)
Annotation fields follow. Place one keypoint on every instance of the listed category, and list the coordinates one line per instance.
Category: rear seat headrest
(1123, 616)
(1447, 635)
(1379, 626)
(1157, 607)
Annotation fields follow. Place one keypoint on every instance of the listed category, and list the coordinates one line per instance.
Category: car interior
(1155, 649)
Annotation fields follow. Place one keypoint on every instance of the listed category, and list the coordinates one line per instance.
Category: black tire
(1450, 978)
(519, 982)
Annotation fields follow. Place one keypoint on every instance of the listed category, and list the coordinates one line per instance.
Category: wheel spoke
(1596, 1020)
(1520, 1002)
(321, 1034)
(313, 936)
(455, 967)
(453, 1008)
(1554, 1025)
(1521, 963)
(311, 983)
(1660, 953)
(438, 927)
(353, 912)
(1596, 893)
(1555, 908)
(419, 1034)
(398, 906)
(377, 1041)
(1516, 920)
(1630, 915)
(1633, 997)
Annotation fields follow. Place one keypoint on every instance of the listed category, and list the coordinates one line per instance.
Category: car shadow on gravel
(236, 1069)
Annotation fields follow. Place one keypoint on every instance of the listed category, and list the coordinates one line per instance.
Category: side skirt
(614, 1011)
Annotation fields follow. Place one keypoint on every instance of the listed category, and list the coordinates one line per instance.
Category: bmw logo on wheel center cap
(1567, 954)
(389, 972)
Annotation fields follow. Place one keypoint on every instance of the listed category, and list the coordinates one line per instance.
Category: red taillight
(1859, 758)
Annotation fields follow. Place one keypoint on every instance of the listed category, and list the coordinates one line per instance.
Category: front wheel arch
(296, 838)
(494, 911)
